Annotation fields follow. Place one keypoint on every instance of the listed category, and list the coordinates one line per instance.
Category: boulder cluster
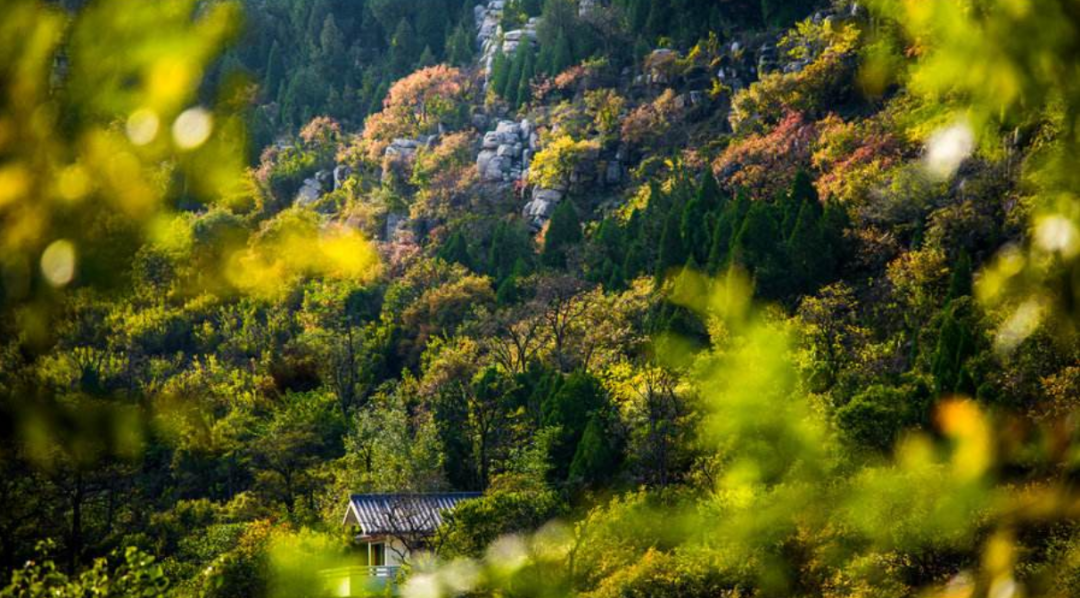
(505, 153)
(399, 155)
(323, 182)
(490, 36)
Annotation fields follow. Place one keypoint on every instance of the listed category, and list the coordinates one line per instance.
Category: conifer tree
(403, 48)
(634, 264)
(694, 229)
(513, 78)
(460, 47)
(427, 58)
(672, 250)
(709, 193)
(596, 456)
(961, 280)
(722, 236)
(755, 248)
(500, 72)
(564, 231)
(524, 90)
(808, 254)
(456, 250)
(272, 77)
(956, 343)
(563, 55)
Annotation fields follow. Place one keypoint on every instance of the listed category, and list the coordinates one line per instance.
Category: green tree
(456, 250)
(597, 456)
(564, 232)
(672, 252)
(272, 77)
(570, 408)
(404, 48)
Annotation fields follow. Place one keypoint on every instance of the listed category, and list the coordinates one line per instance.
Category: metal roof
(401, 514)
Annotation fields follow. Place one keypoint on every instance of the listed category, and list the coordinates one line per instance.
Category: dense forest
(701, 297)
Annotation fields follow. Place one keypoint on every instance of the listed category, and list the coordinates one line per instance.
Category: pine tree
(563, 55)
(331, 44)
(956, 344)
(807, 251)
(500, 72)
(456, 250)
(755, 248)
(460, 46)
(634, 264)
(960, 282)
(694, 229)
(513, 78)
(672, 250)
(802, 192)
(596, 456)
(709, 193)
(508, 291)
(722, 236)
(272, 78)
(524, 90)
(564, 231)
(403, 48)
(427, 58)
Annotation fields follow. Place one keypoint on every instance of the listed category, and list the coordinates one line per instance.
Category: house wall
(395, 550)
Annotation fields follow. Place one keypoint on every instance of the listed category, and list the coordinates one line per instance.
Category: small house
(387, 528)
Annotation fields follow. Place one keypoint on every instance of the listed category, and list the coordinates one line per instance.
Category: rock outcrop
(400, 153)
(490, 36)
(505, 153)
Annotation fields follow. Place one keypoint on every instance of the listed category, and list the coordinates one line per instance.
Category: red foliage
(765, 164)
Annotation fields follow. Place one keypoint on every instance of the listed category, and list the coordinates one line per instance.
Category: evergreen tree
(563, 231)
(508, 292)
(956, 344)
(672, 250)
(456, 250)
(332, 44)
(694, 229)
(722, 236)
(596, 456)
(634, 264)
(570, 408)
(563, 55)
(524, 90)
(403, 49)
(500, 72)
(709, 193)
(808, 254)
(802, 192)
(272, 76)
(756, 248)
(427, 58)
(460, 46)
(513, 78)
(961, 280)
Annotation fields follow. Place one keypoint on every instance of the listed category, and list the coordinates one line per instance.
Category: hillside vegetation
(707, 298)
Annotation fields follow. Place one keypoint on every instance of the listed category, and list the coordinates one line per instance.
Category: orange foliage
(851, 156)
(765, 164)
(650, 123)
(415, 106)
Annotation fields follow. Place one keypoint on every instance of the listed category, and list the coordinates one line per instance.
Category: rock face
(505, 152)
(401, 152)
(341, 172)
(492, 39)
(541, 206)
(309, 192)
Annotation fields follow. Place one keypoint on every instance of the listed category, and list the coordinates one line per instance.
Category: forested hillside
(704, 297)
